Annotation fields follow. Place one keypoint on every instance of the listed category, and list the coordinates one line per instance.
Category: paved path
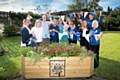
(92, 78)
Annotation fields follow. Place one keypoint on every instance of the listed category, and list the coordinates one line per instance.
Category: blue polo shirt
(90, 21)
(74, 36)
(94, 32)
(61, 27)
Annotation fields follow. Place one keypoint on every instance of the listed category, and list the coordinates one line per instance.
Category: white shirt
(38, 33)
(45, 26)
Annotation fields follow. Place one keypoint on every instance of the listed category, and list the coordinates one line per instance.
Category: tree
(112, 18)
(116, 15)
(76, 5)
(94, 6)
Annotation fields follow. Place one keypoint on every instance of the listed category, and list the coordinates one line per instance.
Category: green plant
(1, 37)
(57, 50)
(9, 30)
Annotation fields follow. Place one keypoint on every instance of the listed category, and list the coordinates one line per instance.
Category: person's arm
(57, 29)
(100, 18)
(101, 34)
(32, 30)
(82, 16)
(75, 20)
(25, 35)
(90, 33)
(50, 28)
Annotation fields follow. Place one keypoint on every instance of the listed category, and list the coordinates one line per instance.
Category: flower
(57, 50)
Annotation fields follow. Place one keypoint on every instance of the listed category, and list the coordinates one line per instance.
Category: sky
(59, 5)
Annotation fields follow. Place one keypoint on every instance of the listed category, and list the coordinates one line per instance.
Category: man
(91, 18)
(26, 33)
(45, 26)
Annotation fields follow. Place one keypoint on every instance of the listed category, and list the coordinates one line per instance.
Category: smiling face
(38, 24)
(71, 25)
(90, 16)
(26, 23)
(95, 24)
(54, 22)
(60, 21)
(85, 23)
(44, 17)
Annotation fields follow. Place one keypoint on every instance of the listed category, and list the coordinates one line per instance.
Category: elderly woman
(54, 30)
(37, 32)
(95, 35)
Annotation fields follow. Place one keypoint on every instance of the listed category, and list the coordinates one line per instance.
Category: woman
(54, 30)
(84, 35)
(66, 26)
(91, 18)
(95, 35)
(79, 27)
(60, 25)
(72, 33)
(37, 32)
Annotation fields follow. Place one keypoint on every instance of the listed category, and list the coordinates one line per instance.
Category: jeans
(95, 49)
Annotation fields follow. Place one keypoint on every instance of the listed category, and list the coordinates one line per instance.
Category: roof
(69, 11)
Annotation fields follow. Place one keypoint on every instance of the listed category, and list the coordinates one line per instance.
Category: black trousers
(95, 49)
(84, 42)
(72, 41)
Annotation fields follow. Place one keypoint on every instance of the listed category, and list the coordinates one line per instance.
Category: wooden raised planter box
(58, 67)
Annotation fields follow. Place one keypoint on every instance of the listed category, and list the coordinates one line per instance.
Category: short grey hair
(95, 21)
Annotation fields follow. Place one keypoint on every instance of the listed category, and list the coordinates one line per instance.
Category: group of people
(84, 30)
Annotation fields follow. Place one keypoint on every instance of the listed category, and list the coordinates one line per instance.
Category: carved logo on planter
(57, 68)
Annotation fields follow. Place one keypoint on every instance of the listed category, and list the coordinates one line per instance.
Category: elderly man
(26, 33)
(45, 26)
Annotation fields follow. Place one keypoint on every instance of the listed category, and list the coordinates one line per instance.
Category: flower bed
(60, 61)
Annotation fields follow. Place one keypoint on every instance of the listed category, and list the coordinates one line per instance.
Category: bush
(9, 31)
(1, 37)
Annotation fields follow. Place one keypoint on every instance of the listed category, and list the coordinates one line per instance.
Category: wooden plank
(29, 76)
(37, 72)
(62, 58)
(75, 75)
(73, 67)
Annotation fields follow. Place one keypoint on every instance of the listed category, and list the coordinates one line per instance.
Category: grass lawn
(109, 57)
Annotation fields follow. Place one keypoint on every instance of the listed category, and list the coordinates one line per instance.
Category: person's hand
(73, 32)
(53, 29)
(74, 14)
(81, 13)
(59, 17)
(100, 13)
(90, 35)
(50, 30)
(49, 13)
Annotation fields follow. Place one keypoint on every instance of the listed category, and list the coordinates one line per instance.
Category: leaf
(58, 54)
(50, 56)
